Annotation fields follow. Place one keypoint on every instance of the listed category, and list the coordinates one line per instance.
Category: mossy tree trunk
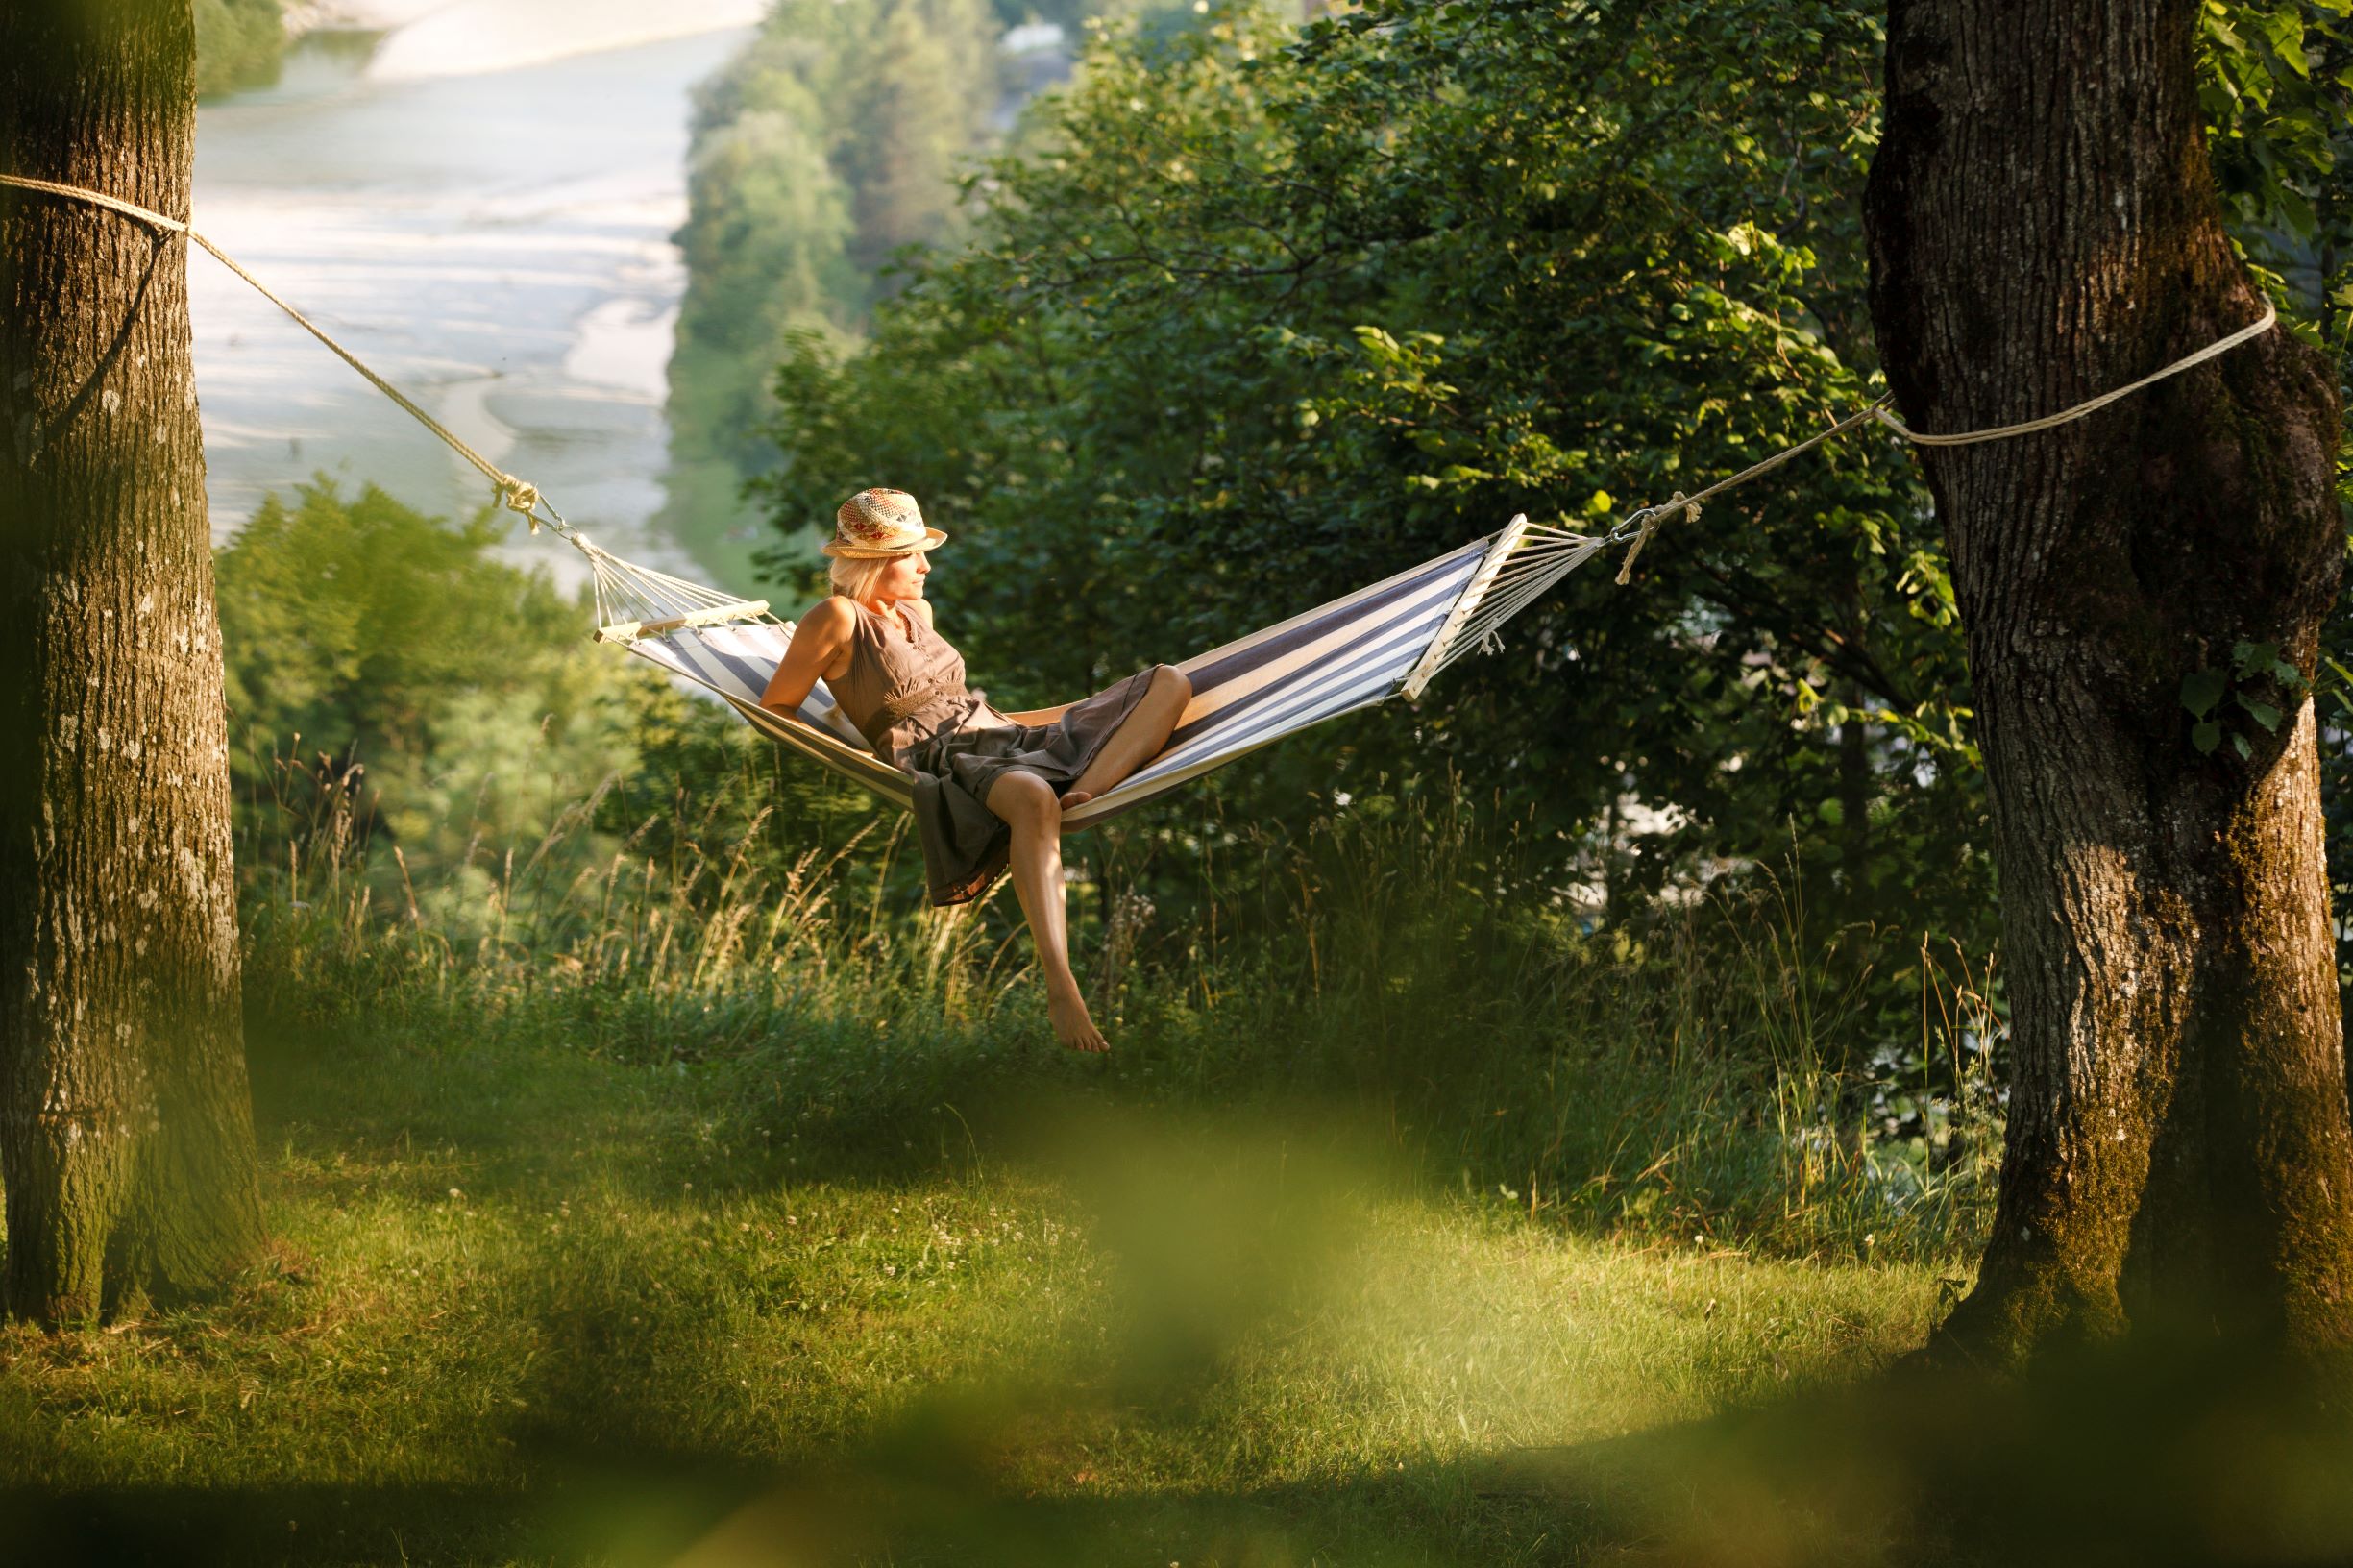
(126, 1135)
(2044, 227)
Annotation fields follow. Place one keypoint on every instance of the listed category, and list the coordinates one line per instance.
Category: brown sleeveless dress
(905, 691)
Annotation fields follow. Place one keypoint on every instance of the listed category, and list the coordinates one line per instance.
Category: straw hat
(874, 524)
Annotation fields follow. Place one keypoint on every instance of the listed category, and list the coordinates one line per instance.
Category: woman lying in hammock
(989, 786)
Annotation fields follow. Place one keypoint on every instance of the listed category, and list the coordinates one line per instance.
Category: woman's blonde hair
(853, 576)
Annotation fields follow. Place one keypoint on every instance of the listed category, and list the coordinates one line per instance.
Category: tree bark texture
(126, 1134)
(2044, 227)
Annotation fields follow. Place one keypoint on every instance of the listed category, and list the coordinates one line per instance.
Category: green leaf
(2239, 742)
(2285, 30)
(2206, 737)
(2201, 691)
(2262, 713)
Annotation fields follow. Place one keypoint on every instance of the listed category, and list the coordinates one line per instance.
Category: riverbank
(464, 38)
(497, 243)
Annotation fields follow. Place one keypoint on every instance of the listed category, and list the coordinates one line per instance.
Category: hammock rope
(514, 493)
(1388, 639)
(2090, 405)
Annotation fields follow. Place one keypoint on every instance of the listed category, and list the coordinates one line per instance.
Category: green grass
(670, 1214)
(1726, 1074)
(533, 1304)
(637, 1194)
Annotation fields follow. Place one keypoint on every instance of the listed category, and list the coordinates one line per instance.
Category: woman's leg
(1026, 803)
(1138, 738)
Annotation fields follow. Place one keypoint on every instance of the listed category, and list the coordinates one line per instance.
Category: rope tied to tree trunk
(2090, 405)
(517, 495)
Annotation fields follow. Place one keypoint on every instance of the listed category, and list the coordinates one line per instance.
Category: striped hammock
(1376, 643)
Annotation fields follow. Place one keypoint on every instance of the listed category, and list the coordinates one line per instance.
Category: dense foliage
(1262, 312)
(1270, 313)
(2278, 92)
(410, 710)
(392, 685)
(238, 44)
(827, 145)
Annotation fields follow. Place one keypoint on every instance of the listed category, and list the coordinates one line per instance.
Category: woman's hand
(818, 643)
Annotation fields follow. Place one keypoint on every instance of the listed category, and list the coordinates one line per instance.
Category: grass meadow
(661, 1199)
(533, 1305)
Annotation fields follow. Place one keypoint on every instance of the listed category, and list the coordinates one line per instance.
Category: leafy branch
(2256, 673)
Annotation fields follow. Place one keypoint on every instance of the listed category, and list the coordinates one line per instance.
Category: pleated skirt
(966, 844)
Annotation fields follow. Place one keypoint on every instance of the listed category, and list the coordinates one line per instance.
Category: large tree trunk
(126, 1134)
(2043, 227)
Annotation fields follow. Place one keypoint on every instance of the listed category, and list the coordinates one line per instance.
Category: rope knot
(1678, 504)
(520, 496)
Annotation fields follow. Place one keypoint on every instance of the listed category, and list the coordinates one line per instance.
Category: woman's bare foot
(1073, 1025)
(1076, 798)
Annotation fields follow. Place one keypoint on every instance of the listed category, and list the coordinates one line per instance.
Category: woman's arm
(817, 645)
(1041, 715)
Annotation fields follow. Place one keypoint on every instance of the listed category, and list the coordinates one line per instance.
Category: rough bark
(2044, 227)
(126, 1137)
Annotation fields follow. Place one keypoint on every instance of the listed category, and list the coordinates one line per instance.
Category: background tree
(240, 44)
(828, 143)
(1256, 313)
(126, 1139)
(2145, 593)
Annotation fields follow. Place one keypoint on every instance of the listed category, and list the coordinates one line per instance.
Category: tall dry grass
(1723, 1073)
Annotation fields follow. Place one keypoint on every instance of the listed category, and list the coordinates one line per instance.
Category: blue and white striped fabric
(738, 662)
(1346, 654)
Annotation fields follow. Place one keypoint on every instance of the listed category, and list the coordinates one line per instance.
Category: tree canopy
(1262, 314)
(828, 144)
(1258, 312)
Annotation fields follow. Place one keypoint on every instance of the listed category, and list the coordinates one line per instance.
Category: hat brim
(932, 539)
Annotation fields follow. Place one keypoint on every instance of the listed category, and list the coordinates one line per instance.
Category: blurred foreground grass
(533, 1305)
(705, 1224)
(656, 1188)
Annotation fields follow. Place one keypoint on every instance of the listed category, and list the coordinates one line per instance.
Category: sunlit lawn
(536, 1306)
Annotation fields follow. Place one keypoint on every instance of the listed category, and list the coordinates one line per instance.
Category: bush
(240, 44)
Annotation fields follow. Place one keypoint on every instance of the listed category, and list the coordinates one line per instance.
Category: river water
(496, 243)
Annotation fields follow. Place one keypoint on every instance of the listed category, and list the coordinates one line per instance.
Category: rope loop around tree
(515, 494)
